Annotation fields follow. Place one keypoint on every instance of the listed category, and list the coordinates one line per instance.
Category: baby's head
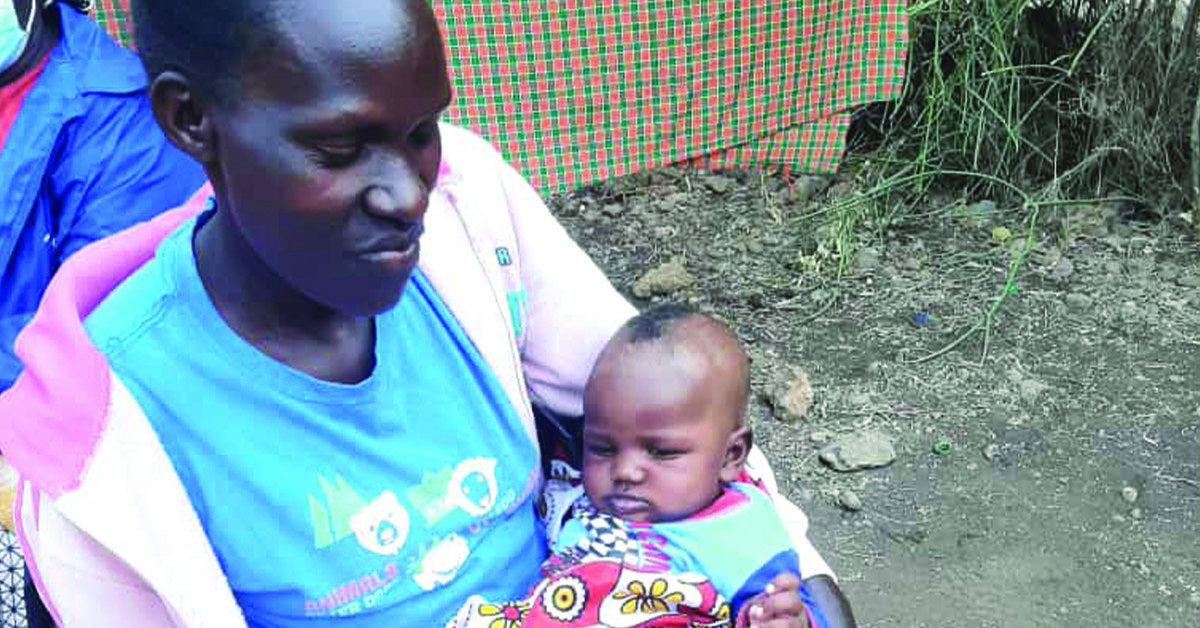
(665, 410)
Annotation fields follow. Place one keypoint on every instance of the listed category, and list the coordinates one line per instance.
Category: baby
(662, 528)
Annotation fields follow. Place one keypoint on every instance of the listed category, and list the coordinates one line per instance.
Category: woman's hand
(777, 607)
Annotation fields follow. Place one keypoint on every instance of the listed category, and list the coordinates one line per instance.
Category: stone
(1031, 389)
(820, 437)
(980, 214)
(1129, 494)
(718, 183)
(850, 501)
(1079, 301)
(755, 247)
(667, 278)
(1136, 513)
(867, 449)
(991, 451)
(1189, 280)
(791, 401)
(866, 259)
(805, 188)
(612, 210)
(1062, 269)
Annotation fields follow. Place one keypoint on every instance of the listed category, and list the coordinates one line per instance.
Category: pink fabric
(49, 435)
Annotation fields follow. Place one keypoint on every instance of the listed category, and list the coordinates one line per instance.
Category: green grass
(1059, 99)
(1036, 106)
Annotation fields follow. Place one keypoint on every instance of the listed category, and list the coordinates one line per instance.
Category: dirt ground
(1069, 494)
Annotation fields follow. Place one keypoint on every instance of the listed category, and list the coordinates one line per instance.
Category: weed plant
(1054, 100)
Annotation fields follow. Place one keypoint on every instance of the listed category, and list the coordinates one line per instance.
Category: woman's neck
(274, 317)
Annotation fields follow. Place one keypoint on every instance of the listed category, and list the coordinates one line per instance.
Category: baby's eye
(665, 453)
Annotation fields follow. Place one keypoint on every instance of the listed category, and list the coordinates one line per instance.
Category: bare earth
(1069, 494)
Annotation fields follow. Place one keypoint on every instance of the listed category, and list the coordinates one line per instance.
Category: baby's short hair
(658, 323)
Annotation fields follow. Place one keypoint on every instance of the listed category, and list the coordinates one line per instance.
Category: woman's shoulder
(141, 303)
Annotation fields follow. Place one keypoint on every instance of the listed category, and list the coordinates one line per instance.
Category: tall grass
(1037, 105)
(1059, 99)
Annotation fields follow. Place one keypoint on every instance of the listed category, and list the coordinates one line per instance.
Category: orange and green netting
(572, 91)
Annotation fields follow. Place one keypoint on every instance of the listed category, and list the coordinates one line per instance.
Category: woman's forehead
(316, 45)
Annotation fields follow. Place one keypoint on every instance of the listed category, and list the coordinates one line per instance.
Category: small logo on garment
(503, 256)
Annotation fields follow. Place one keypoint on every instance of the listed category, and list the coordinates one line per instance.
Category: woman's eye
(423, 135)
(337, 154)
(598, 449)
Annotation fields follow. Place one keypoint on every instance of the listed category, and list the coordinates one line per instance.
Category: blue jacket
(84, 159)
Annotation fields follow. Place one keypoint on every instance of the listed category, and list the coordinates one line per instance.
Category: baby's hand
(777, 607)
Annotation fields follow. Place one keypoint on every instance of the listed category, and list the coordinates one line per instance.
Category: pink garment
(108, 531)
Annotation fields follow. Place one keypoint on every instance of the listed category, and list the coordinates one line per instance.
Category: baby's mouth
(627, 506)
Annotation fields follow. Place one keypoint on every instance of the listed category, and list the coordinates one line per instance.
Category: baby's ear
(737, 447)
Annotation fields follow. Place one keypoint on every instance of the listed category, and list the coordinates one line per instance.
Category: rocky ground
(1042, 474)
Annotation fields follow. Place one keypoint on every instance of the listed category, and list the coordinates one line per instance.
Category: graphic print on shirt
(470, 486)
(438, 566)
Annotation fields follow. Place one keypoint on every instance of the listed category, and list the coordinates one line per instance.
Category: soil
(1067, 495)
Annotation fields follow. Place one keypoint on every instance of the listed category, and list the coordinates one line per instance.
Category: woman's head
(316, 122)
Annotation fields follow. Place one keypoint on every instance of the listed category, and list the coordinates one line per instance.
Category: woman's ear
(737, 447)
(182, 115)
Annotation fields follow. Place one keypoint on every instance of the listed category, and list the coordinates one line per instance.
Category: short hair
(656, 322)
(204, 40)
(659, 322)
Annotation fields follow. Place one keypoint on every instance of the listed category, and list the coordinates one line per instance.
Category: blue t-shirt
(383, 503)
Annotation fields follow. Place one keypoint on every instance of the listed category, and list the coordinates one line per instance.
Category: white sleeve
(794, 519)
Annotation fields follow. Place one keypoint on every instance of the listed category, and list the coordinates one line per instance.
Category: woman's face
(325, 155)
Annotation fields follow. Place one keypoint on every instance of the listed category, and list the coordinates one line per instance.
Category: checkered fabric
(607, 537)
(12, 582)
(578, 90)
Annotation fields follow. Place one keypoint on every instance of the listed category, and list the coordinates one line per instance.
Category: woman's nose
(400, 195)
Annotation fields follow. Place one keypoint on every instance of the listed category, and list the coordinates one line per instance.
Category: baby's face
(657, 436)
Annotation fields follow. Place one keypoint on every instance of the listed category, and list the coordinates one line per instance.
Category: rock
(790, 401)
(866, 259)
(1062, 269)
(1031, 389)
(991, 451)
(718, 183)
(755, 247)
(820, 437)
(980, 214)
(612, 210)
(1129, 494)
(862, 450)
(850, 501)
(1189, 280)
(668, 278)
(1136, 513)
(805, 188)
(1079, 301)
(1119, 518)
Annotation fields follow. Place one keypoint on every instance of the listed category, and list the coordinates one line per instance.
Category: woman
(275, 416)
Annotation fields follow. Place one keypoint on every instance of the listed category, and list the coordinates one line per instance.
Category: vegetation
(1042, 102)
